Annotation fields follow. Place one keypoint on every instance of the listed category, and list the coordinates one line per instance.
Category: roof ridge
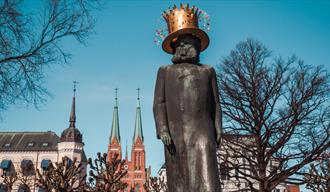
(32, 132)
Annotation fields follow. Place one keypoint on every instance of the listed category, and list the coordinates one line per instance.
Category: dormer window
(45, 144)
(30, 144)
(7, 144)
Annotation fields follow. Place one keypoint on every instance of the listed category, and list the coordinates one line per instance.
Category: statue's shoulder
(208, 67)
(164, 67)
(162, 70)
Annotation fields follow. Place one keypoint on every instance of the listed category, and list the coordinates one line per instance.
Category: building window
(5, 165)
(45, 163)
(23, 188)
(27, 167)
(41, 190)
(3, 187)
(224, 172)
(7, 144)
(30, 144)
(45, 144)
(236, 173)
(68, 161)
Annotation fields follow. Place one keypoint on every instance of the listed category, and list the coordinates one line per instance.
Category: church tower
(138, 152)
(136, 169)
(114, 146)
(71, 144)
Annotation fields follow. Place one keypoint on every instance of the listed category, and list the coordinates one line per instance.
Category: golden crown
(183, 20)
(184, 17)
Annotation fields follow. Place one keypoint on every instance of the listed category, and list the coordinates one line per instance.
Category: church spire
(126, 154)
(73, 106)
(115, 121)
(138, 133)
(72, 134)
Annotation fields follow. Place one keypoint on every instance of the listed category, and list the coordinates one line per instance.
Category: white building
(230, 178)
(24, 152)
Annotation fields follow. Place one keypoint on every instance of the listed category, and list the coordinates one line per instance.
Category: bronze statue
(186, 107)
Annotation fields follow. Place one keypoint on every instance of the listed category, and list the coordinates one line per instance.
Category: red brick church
(136, 166)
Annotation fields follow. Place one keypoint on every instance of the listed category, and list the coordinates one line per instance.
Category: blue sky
(122, 54)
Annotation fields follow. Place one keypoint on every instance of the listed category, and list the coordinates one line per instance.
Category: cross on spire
(138, 93)
(116, 97)
(115, 121)
(138, 120)
(75, 87)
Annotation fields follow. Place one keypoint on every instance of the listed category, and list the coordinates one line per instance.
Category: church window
(138, 162)
(137, 188)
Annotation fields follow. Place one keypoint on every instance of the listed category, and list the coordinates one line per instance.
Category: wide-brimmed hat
(181, 21)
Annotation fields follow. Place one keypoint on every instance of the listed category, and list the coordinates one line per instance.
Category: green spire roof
(115, 122)
(138, 133)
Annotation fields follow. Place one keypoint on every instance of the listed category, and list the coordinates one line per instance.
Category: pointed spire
(138, 133)
(73, 106)
(126, 154)
(115, 121)
(72, 134)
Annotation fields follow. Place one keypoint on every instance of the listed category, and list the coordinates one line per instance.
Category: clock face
(126, 167)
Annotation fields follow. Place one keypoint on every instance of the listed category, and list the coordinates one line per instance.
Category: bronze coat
(186, 104)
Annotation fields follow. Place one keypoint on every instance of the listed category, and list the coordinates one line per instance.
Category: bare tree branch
(106, 176)
(281, 105)
(29, 44)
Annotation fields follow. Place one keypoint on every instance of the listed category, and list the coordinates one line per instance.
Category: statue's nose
(181, 44)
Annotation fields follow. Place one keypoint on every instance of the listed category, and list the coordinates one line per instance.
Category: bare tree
(282, 105)
(9, 179)
(156, 184)
(31, 40)
(106, 175)
(22, 177)
(318, 177)
(26, 178)
(65, 176)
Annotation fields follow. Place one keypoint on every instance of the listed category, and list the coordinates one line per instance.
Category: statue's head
(186, 49)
